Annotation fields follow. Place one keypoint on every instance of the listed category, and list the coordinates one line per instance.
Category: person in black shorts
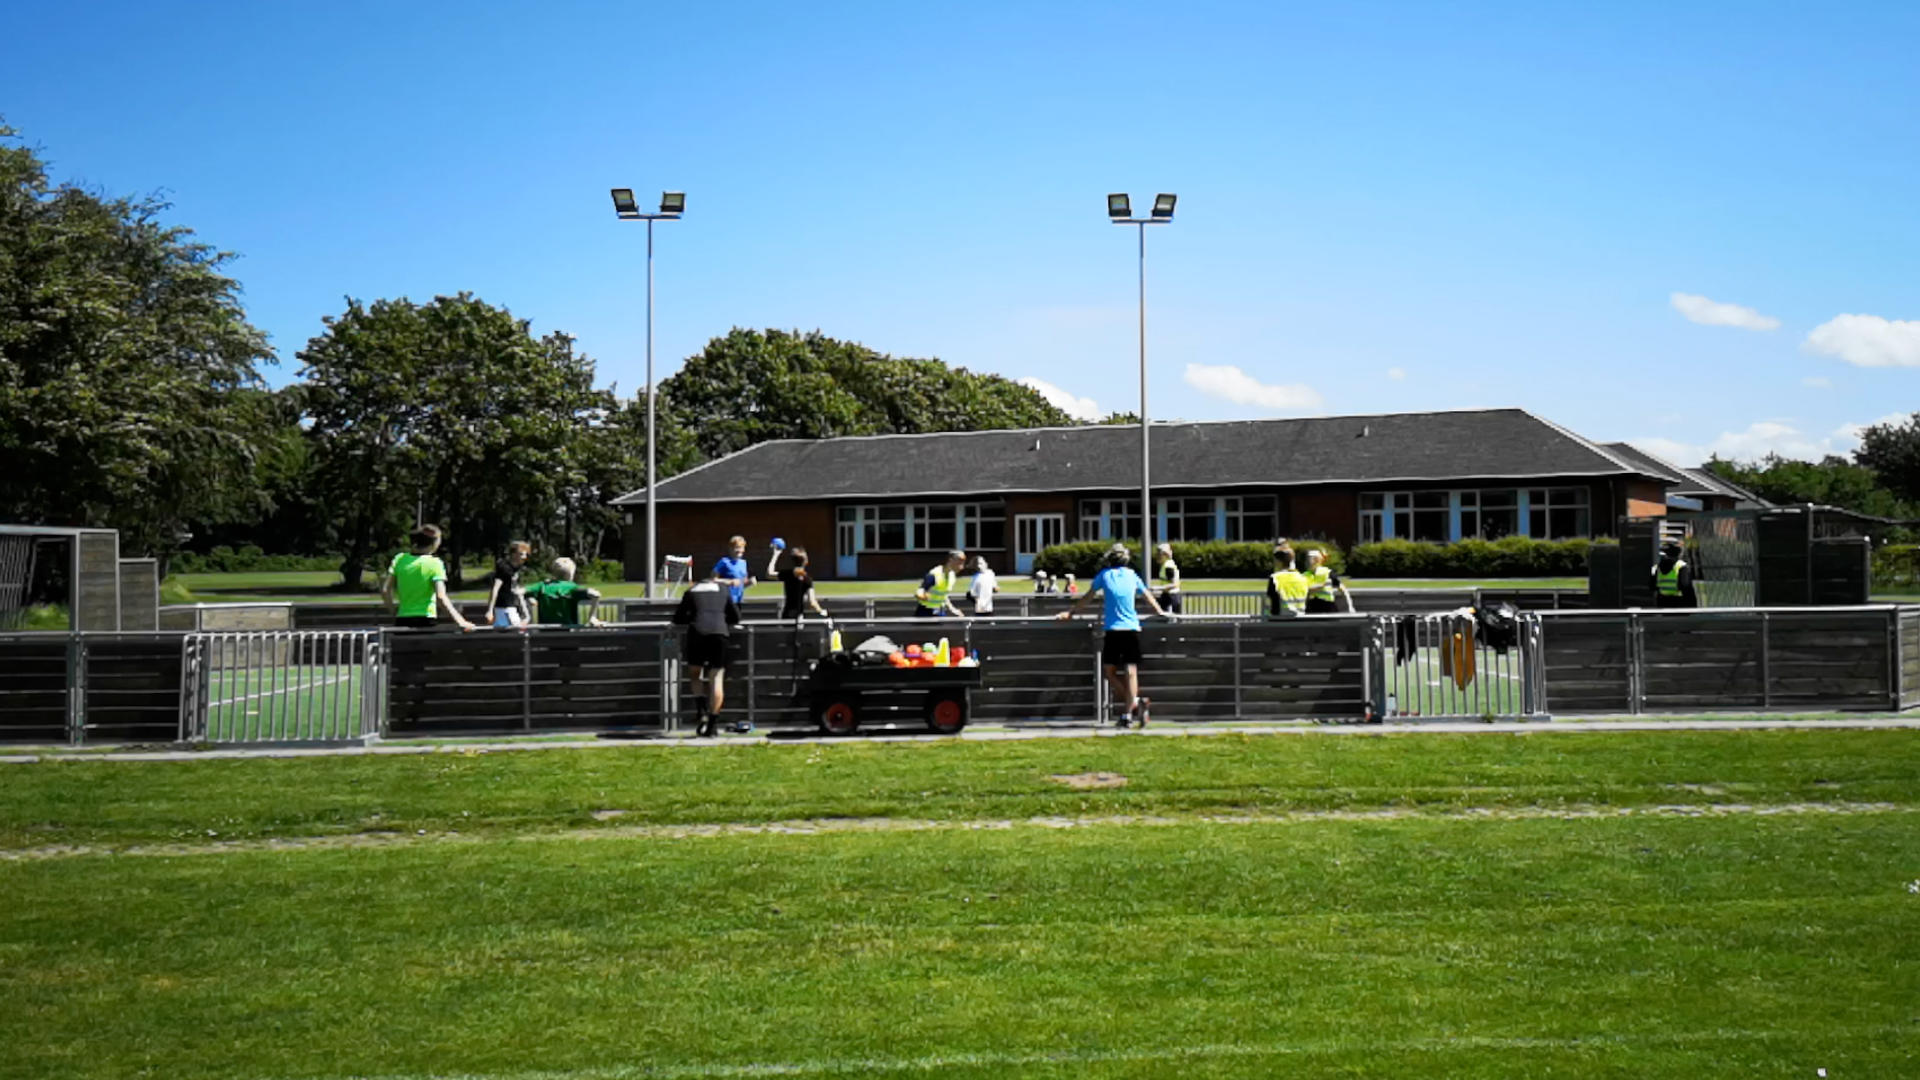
(796, 584)
(709, 613)
(1120, 654)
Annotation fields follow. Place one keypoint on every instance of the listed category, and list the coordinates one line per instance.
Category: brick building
(885, 507)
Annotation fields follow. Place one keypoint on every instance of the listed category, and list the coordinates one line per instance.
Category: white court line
(1203, 1052)
(281, 690)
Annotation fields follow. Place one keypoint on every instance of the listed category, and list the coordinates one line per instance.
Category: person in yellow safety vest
(937, 589)
(1287, 588)
(1673, 579)
(1324, 589)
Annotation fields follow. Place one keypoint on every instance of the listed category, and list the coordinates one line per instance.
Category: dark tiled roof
(1648, 464)
(1465, 445)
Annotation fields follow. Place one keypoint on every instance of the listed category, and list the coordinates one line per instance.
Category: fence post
(76, 689)
(373, 684)
(750, 680)
(1766, 660)
(190, 647)
(1100, 704)
(1899, 663)
(1893, 657)
(1236, 673)
(1636, 666)
(526, 681)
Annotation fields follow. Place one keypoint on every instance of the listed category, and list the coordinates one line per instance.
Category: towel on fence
(1460, 651)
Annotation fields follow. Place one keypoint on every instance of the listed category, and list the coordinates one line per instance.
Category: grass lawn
(1242, 907)
(322, 585)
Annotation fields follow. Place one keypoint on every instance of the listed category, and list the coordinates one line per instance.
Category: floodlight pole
(653, 557)
(1146, 466)
(627, 211)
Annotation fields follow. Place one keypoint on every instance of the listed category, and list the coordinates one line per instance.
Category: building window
(1431, 510)
(1110, 519)
(1251, 517)
(986, 527)
(1373, 526)
(1187, 519)
(1489, 515)
(1558, 513)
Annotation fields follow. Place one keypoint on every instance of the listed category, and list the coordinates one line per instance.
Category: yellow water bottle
(945, 657)
(833, 640)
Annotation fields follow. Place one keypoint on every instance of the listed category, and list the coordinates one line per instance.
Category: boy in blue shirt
(1117, 585)
(732, 571)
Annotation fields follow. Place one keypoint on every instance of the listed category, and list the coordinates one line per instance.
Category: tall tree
(1892, 451)
(1832, 481)
(125, 364)
(752, 386)
(451, 410)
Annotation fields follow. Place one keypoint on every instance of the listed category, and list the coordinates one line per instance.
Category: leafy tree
(1833, 481)
(451, 410)
(127, 366)
(1892, 451)
(752, 386)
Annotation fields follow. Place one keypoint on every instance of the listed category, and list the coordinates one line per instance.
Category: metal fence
(286, 686)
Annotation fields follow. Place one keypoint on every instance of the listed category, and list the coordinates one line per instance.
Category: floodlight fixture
(1119, 206)
(1163, 206)
(624, 204)
(673, 202)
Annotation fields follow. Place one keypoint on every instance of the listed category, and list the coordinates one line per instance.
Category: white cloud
(1818, 382)
(1229, 382)
(1397, 374)
(1760, 438)
(1080, 408)
(1867, 341)
(1707, 312)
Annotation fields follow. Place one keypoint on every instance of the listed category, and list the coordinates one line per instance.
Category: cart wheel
(838, 716)
(946, 715)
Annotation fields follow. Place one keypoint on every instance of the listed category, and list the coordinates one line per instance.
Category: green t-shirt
(413, 578)
(557, 603)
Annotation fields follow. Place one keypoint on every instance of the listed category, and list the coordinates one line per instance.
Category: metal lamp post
(1120, 212)
(672, 205)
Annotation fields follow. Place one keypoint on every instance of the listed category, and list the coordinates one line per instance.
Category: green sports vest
(1669, 579)
(1320, 583)
(1292, 587)
(944, 582)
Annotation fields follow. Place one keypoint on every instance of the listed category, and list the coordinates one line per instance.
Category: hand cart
(842, 696)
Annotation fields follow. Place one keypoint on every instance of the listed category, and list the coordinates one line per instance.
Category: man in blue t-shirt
(1117, 585)
(732, 571)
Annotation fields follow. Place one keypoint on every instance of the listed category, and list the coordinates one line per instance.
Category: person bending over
(1120, 653)
(708, 612)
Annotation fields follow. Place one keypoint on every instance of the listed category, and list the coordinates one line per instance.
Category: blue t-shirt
(1118, 585)
(730, 567)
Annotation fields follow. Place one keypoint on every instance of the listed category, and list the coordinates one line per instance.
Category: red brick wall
(701, 530)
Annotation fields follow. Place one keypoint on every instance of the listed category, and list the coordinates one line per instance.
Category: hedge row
(1209, 559)
(1896, 568)
(247, 560)
(1511, 556)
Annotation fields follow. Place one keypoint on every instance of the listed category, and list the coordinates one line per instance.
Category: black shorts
(1317, 606)
(416, 622)
(1120, 648)
(925, 612)
(1170, 600)
(705, 651)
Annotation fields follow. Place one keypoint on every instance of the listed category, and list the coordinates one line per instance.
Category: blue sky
(1693, 226)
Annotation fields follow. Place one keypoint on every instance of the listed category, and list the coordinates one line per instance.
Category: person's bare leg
(1117, 688)
(697, 683)
(717, 693)
(1135, 711)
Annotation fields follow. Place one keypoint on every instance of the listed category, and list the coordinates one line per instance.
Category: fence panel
(131, 688)
(286, 686)
(34, 690)
(1830, 659)
(1703, 659)
(1587, 662)
(505, 682)
(1307, 668)
(1907, 633)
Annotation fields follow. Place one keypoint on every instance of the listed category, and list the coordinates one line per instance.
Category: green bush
(1509, 556)
(1207, 559)
(248, 560)
(602, 571)
(1896, 568)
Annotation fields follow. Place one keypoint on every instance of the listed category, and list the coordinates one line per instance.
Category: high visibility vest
(944, 581)
(1320, 583)
(1167, 572)
(1668, 580)
(1292, 587)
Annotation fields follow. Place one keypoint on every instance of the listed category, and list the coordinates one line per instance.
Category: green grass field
(1636, 905)
(297, 702)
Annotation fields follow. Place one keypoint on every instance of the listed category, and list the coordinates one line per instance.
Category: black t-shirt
(795, 581)
(708, 608)
(508, 575)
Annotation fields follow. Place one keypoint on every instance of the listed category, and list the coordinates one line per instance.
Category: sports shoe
(1140, 709)
(741, 727)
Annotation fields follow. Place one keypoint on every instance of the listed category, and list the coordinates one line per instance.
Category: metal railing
(1446, 667)
(288, 686)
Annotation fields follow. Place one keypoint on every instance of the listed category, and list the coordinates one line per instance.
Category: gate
(288, 686)
(1445, 667)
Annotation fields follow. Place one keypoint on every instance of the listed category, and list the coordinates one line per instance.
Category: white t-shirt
(982, 590)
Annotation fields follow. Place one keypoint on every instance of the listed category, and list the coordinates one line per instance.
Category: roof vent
(1035, 446)
(1365, 430)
